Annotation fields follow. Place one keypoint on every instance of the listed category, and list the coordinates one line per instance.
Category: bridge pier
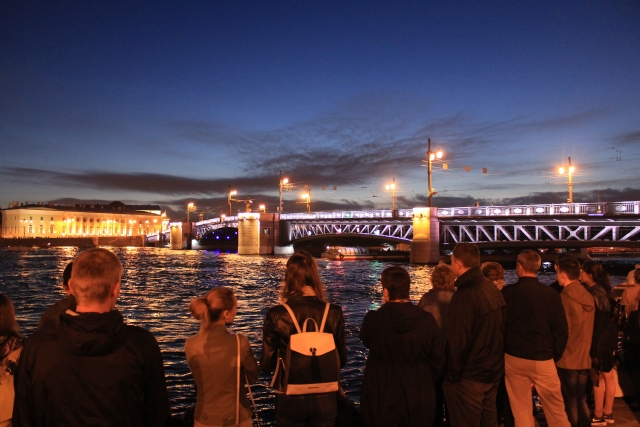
(425, 245)
(258, 233)
(176, 239)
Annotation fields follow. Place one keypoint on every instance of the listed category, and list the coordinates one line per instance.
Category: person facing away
(475, 342)
(437, 300)
(91, 368)
(573, 366)
(535, 337)
(10, 348)
(604, 342)
(212, 356)
(629, 298)
(67, 303)
(303, 291)
(494, 272)
(405, 356)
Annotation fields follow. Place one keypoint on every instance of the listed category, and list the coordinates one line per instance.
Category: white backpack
(312, 363)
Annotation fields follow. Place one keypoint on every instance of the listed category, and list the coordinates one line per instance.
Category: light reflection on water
(158, 285)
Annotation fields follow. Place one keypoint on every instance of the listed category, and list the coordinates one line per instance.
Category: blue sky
(164, 102)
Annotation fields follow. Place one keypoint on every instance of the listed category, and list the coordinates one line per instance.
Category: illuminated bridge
(565, 225)
(578, 225)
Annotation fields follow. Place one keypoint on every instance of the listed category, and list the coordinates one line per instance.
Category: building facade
(81, 220)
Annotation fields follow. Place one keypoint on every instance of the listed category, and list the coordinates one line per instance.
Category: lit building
(81, 220)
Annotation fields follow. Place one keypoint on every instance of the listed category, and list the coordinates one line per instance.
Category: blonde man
(91, 368)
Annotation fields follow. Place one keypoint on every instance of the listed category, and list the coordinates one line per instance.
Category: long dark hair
(10, 338)
(600, 277)
(302, 270)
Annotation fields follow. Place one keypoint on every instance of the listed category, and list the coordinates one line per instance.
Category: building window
(41, 228)
(30, 228)
(51, 229)
(266, 231)
(41, 218)
(64, 229)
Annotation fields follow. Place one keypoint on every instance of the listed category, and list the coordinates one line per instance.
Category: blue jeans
(573, 384)
(308, 410)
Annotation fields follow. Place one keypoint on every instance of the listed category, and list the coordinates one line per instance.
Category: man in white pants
(536, 335)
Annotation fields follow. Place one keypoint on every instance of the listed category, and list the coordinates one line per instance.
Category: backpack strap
(293, 316)
(324, 318)
(238, 383)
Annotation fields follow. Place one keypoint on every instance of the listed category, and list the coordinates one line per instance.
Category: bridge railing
(381, 213)
(608, 208)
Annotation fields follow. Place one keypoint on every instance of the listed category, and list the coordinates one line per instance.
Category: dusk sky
(168, 102)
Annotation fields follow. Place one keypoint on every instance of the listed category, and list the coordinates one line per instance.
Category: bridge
(575, 225)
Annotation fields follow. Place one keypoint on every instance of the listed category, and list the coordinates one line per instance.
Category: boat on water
(21, 248)
(348, 253)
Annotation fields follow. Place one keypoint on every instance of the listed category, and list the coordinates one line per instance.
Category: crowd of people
(472, 352)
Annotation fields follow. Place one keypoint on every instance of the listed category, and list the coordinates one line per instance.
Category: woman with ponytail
(213, 355)
(604, 342)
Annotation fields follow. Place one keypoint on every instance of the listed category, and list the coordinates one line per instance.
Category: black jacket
(536, 323)
(405, 355)
(90, 370)
(475, 338)
(278, 327)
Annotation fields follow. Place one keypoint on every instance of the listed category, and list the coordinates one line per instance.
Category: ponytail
(213, 304)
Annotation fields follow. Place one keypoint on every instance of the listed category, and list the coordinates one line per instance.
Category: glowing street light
(263, 208)
(284, 185)
(229, 199)
(431, 156)
(392, 187)
(307, 197)
(190, 208)
(569, 170)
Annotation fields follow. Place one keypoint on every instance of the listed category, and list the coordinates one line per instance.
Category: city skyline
(169, 104)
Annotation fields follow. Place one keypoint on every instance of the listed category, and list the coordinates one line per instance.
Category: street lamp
(190, 208)
(392, 187)
(263, 208)
(570, 169)
(229, 194)
(307, 197)
(284, 185)
(431, 156)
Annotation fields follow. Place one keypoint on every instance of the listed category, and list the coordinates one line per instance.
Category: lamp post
(307, 197)
(570, 169)
(283, 183)
(263, 208)
(431, 156)
(229, 194)
(190, 208)
(392, 187)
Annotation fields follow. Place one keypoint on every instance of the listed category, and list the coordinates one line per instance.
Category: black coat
(405, 355)
(278, 327)
(536, 323)
(90, 369)
(475, 337)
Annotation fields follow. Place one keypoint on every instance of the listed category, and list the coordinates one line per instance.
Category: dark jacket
(278, 327)
(536, 324)
(475, 338)
(54, 312)
(405, 355)
(604, 341)
(91, 369)
(436, 302)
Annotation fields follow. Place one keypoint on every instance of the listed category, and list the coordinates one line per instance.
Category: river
(158, 284)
